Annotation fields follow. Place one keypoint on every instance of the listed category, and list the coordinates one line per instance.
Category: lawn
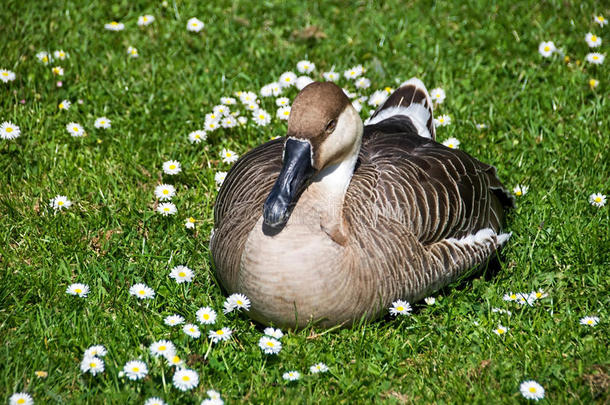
(541, 122)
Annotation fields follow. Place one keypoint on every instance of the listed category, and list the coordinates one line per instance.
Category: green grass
(547, 129)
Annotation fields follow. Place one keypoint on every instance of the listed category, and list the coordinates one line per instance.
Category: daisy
(287, 79)
(219, 177)
(114, 26)
(282, 101)
(452, 143)
(228, 156)
(600, 20)
(206, 315)
(269, 345)
(430, 300)
(305, 66)
(182, 274)
(266, 90)
(438, 95)
(174, 360)
(500, 330)
(318, 368)
(539, 294)
(442, 121)
(191, 330)
(236, 301)
(135, 370)
(276, 89)
(8, 130)
(242, 120)
(595, 58)
(20, 398)
(291, 375)
(44, 58)
(172, 167)
(60, 202)
(7, 76)
(593, 40)
(167, 209)
(132, 52)
(153, 400)
(593, 83)
(162, 348)
(481, 126)
(228, 100)
(546, 49)
(190, 223)
(510, 297)
(144, 20)
(102, 122)
(501, 311)
(228, 122)
(400, 307)
(283, 113)
(95, 351)
(597, 199)
(362, 83)
(64, 105)
(173, 320)
(276, 333)
(185, 379)
(220, 334)
(93, 365)
(252, 107)
(302, 82)
(221, 110)
(261, 117)
(60, 54)
(76, 130)
(531, 390)
(165, 191)
(523, 299)
(331, 76)
(377, 98)
(78, 289)
(589, 320)
(247, 97)
(520, 190)
(211, 125)
(214, 399)
(142, 291)
(58, 71)
(41, 374)
(354, 72)
(194, 25)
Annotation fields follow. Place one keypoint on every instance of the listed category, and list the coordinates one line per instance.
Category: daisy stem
(208, 351)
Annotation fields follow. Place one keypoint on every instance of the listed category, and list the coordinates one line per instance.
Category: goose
(335, 221)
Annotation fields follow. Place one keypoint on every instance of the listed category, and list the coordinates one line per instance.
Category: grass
(546, 129)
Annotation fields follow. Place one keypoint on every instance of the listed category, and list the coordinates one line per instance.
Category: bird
(332, 223)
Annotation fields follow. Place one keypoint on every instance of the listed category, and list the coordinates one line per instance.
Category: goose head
(324, 133)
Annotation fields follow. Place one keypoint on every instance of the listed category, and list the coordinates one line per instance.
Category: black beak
(296, 171)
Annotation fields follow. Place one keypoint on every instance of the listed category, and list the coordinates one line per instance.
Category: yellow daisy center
(286, 112)
(518, 192)
(4, 73)
(287, 79)
(594, 38)
(239, 302)
(206, 316)
(45, 59)
(400, 308)
(532, 389)
(61, 105)
(538, 295)
(186, 378)
(220, 332)
(114, 23)
(135, 369)
(592, 82)
(172, 167)
(589, 321)
(595, 57)
(75, 129)
(165, 191)
(192, 220)
(9, 129)
(182, 274)
(142, 292)
(92, 365)
(62, 203)
(451, 145)
(162, 348)
(598, 199)
(166, 209)
(145, 19)
(229, 154)
(547, 48)
(78, 290)
(270, 344)
(175, 359)
(21, 401)
(500, 331)
(388, 89)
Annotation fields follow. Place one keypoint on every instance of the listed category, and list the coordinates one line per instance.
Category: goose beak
(295, 173)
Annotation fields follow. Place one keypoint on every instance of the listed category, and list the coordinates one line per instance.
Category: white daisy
(242, 120)
(132, 52)
(192, 330)
(236, 301)
(135, 370)
(318, 368)
(64, 105)
(377, 98)
(211, 125)
(154, 400)
(228, 100)
(438, 95)
(354, 72)
(214, 399)
(252, 107)
(21, 398)
(593, 83)
(362, 83)
(302, 82)
(76, 130)
(206, 315)
(282, 101)
(589, 320)
(247, 97)
(114, 26)
(102, 122)
(600, 20)
(185, 379)
(546, 49)
(287, 79)
(219, 177)
(220, 335)
(58, 71)
(595, 58)
(172, 167)
(510, 297)
(95, 351)
(44, 58)
(276, 89)
(194, 25)
(452, 143)
(520, 190)
(597, 199)
(500, 330)
(142, 291)
(167, 209)
(525, 299)
(173, 320)
(481, 127)
(261, 117)
(430, 300)
(190, 223)
(228, 122)
(78, 289)
(283, 113)
(144, 20)
(331, 76)
(6, 75)
(182, 274)
(400, 307)
(442, 121)
(60, 202)
(276, 333)
(538, 294)
(8, 130)
(266, 90)
(305, 66)
(92, 364)
(532, 390)
(593, 40)
(291, 375)
(174, 360)
(269, 345)
(228, 156)
(165, 191)
(221, 110)
(163, 348)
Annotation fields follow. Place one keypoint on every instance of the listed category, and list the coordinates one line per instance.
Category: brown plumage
(414, 216)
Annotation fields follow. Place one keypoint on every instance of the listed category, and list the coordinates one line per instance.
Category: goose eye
(330, 127)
